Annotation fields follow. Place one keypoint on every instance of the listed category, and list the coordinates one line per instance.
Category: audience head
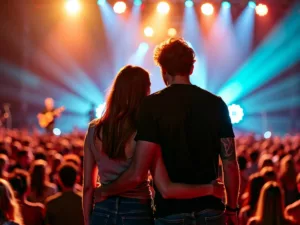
(73, 158)
(270, 208)
(8, 204)
(23, 158)
(265, 161)
(256, 182)
(38, 175)
(242, 161)
(67, 174)
(254, 156)
(40, 154)
(130, 87)
(49, 103)
(3, 163)
(268, 174)
(19, 180)
(175, 58)
(287, 167)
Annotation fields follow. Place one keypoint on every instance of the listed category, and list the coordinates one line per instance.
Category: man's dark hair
(19, 181)
(242, 161)
(254, 156)
(68, 174)
(73, 158)
(175, 56)
(4, 151)
(40, 154)
(22, 153)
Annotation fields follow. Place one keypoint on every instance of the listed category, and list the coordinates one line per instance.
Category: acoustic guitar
(48, 118)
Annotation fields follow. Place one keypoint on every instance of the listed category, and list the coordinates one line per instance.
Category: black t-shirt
(187, 122)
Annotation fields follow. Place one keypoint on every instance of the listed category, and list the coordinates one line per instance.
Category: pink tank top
(110, 169)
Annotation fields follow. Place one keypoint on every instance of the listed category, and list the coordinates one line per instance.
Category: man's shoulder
(293, 207)
(54, 198)
(35, 205)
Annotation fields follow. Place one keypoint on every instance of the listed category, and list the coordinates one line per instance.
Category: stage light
(72, 6)
(137, 2)
(261, 10)
(226, 4)
(101, 2)
(189, 3)
(252, 4)
(172, 32)
(100, 109)
(148, 31)
(236, 113)
(120, 7)
(163, 8)
(56, 131)
(207, 9)
(267, 134)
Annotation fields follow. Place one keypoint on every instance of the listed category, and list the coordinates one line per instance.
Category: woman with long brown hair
(40, 186)
(256, 182)
(110, 146)
(270, 208)
(9, 207)
(288, 179)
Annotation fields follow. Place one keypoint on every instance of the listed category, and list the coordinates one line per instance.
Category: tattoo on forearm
(228, 149)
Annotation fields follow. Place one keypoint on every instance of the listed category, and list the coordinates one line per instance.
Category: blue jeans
(205, 217)
(122, 211)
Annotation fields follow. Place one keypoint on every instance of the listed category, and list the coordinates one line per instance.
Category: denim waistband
(127, 200)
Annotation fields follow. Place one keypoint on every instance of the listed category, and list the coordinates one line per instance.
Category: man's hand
(218, 189)
(231, 218)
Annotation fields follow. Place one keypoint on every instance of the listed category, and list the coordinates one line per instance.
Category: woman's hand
(218, 189)
(99, 195)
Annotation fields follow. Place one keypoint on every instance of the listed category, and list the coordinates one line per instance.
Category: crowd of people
(41, 177)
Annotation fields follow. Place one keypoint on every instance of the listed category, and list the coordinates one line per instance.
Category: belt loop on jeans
(117, 204)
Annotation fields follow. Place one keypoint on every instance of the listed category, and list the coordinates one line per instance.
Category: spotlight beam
(275, 97)
(261, 66)
(78, 74)
(192, 33)
(36, 85)
(138, 57)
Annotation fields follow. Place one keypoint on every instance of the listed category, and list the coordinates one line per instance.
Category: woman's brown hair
(118, 122)
(38, 176)
(270, 208)
(10, 210)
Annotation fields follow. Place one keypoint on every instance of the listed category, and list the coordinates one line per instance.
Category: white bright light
(120, 7)
(72, 6)
(56, 131)
(163, 8)
(236, 113)
(172, 32)
(148, 31)
(261, 10)
(207, 9)
(267, 134)
(100, 109)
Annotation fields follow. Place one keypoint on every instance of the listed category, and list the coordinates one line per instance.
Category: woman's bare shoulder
(253, 221)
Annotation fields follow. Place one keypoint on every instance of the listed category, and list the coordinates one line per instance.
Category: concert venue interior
(247, 53)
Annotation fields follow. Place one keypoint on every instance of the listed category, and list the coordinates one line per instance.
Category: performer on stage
(48, 116)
